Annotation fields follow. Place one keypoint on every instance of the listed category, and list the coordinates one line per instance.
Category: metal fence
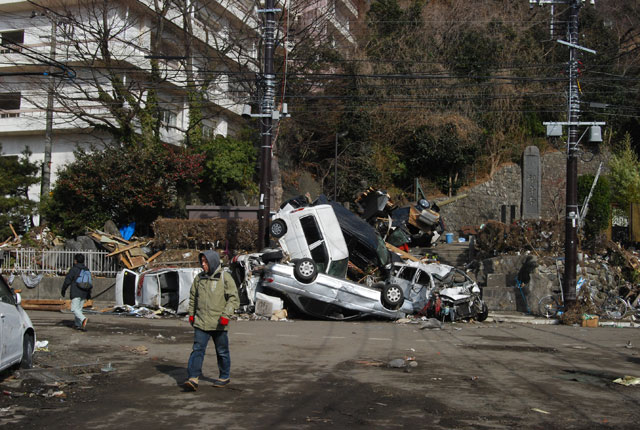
(56, 262)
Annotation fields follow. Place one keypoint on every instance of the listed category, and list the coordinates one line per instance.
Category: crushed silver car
(324, 296)
(439, 291)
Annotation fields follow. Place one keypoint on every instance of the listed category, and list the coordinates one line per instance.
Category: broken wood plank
(14, 231)
(138, 261)
(400, 252)
(125, 261)
(125, 248)
(50, 304)
(154, 256)
(452, 199)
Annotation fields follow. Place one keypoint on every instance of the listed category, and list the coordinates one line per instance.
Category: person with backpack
(213, 299)
(79, 279)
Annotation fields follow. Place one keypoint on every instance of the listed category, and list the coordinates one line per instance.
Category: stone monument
(531, 189)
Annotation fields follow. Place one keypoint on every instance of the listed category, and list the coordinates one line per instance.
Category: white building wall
(28, 129)
(62, 153)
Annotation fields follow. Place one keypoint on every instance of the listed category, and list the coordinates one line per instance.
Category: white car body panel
(14, 324)
(294, 242)
(331, 290)
(151, 284)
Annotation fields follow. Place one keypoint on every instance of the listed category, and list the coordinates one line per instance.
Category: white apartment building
(79, 51)
(64, 65)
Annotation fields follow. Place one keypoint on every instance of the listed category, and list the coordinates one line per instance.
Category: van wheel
(392, 297)
(278, 228)
(305, 270)
(27, 352)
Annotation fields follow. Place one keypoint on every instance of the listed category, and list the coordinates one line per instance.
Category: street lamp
(335, 167)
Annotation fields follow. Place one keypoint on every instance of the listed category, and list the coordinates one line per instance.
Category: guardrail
(55, 262)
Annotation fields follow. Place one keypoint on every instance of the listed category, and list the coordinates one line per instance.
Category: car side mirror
(18, 298)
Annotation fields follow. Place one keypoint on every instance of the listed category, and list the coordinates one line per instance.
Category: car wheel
(392, 297)
(27, 352)
(305, 270)
(278, 228)
(483, 314)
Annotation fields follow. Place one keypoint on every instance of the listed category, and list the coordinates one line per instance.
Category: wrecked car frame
(325, 296)
(439, 290)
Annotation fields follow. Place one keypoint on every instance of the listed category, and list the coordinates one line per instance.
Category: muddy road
(127, 372)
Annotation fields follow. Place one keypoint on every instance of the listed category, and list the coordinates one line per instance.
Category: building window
(168, 118)
(208, 132)
(9, 102)
(11, 38)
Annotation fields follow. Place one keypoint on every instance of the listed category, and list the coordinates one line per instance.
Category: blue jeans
(200, 341)
(76, 308)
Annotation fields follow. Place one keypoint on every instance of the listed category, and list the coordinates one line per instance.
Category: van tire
(278, 228)
(305, 270)
(392, 297)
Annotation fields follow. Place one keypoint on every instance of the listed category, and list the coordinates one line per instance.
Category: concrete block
(496, 280)
(50, 287)
(500, 298)
(266, 305)
(264, 308)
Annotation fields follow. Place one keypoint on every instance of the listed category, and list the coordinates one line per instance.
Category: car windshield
(407, 274)
(6, 296)
(381, 250)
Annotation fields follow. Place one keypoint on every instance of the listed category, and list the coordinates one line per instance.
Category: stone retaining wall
(484, 201)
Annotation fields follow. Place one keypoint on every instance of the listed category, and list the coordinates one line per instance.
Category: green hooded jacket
(213, 294)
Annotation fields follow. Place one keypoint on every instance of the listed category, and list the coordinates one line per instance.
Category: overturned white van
(312, 232)
(165, 287)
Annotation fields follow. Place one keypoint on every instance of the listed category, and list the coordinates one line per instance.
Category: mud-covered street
(127, 372)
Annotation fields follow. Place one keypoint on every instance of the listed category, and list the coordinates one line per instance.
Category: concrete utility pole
(266, 123)
(48, 136)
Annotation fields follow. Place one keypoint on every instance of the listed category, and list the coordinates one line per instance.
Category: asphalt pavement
(127, 372)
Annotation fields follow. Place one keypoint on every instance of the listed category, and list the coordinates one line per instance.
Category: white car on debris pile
(17, 336)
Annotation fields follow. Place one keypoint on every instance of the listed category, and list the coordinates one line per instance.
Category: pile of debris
(205, 233)
(131, 254)
(541, 237)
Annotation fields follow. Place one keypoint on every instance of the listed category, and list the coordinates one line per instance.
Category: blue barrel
(449, 237)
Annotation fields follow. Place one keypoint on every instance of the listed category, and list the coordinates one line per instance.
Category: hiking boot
(191, 384)
(218, 383)
(84, 324)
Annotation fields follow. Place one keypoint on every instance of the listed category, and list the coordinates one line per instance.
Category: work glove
(191, 319)
(63, 292)
(224, 321)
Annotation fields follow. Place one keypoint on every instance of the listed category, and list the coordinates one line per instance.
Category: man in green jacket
(213, 299)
